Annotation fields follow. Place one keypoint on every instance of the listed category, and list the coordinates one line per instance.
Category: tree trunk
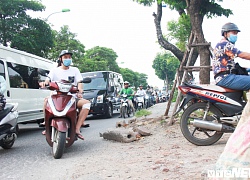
(196, 18)
(166, 83)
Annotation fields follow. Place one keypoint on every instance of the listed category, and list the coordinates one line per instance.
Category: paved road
(31, 158)
(31, 155)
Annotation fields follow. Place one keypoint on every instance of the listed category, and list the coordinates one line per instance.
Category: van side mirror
(86, 80)
(111, 89)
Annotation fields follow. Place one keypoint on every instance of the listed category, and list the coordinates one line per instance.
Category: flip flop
(79, 136)
(85, 125)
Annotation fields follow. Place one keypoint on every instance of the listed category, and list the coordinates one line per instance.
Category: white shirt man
(140, 91)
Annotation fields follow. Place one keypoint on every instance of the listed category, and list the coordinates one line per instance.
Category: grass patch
(142, 112)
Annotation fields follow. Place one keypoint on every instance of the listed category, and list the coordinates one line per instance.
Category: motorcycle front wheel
(147, 104)
(124, 111)
(139, 108)
(8, 143)
(199, 136)
(59, 144)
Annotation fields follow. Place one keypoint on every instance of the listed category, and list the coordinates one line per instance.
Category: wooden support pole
(177, 74)
(200, 44)
(171, 121)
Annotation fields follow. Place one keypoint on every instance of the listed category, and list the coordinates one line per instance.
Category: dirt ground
(166, 154)
(183, 160)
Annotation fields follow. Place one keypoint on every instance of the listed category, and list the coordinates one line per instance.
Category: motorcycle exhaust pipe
(213, 126)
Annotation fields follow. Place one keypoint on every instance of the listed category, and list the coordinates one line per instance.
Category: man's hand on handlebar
(43, 84)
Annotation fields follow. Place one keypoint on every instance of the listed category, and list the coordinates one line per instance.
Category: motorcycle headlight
(99, 99)
(64, 87)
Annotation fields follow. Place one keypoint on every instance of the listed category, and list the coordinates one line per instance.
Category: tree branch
(162, 41)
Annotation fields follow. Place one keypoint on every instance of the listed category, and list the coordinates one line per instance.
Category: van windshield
(95, 84)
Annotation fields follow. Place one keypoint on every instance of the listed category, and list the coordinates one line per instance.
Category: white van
(21, 71)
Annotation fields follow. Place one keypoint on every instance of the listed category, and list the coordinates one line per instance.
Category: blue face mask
(67, 62)
(232, 38)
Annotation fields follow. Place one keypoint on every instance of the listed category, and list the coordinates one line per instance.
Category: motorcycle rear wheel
(59, 144)
(199, 136)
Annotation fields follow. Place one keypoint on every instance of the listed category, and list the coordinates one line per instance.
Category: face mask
(232, 38)
(67, 62)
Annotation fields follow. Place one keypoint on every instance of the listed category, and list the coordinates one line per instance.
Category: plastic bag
(235, 157)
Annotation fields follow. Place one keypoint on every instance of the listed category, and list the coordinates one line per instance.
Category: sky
(128, 28)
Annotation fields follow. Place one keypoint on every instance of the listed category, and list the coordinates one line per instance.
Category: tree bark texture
(193, 8)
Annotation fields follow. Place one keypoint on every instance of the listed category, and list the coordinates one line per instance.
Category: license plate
(124, 104)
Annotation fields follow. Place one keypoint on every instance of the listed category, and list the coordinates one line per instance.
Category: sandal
(79, 136)
(85, 125)
(42, 124)
(44, 132)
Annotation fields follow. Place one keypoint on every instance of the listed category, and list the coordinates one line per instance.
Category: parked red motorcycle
(61, 116)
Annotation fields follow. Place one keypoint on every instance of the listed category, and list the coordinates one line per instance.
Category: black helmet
(229, 27)
(63, 52)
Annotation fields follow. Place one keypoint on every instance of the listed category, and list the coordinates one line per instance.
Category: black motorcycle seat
(211, 87)
(7, 109)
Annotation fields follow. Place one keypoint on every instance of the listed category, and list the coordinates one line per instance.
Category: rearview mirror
(111, 89)
(42, 72)
(86, 80)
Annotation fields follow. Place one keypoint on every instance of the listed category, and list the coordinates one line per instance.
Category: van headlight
(99, 99)
(92, 100)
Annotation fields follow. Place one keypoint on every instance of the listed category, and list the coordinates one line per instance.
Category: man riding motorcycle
(223, 62)
(66, 72)
(129, 91)
(140, 92)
